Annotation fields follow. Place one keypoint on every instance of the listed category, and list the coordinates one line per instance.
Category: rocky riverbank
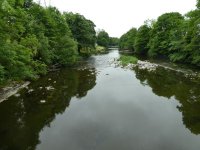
(149, 66)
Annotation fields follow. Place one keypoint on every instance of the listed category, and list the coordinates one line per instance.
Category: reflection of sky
(119, 113)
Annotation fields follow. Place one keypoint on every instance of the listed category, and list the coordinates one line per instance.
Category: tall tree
(114, 41)
(127, 40)
(82, 30)
(103, 38)
(31, 38)
(161, 32)
(61, 41)
(192, 38)
(142, 40)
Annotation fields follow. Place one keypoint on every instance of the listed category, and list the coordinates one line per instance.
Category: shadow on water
(22, 118)
(169, 84)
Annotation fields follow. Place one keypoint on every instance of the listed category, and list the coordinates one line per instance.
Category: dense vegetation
(104, 40)
(113, 41)
(83, 32)
(33, 37)
(172, 36)
(127, 40)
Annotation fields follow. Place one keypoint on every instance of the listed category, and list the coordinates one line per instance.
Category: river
(101, 106)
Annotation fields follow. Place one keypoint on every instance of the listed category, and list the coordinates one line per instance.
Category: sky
(118, 16)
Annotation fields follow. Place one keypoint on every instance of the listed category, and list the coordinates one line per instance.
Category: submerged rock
(42, 101)
(17, 95)
(50, 88)
(31, 90)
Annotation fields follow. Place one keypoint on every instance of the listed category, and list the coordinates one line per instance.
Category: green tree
(192, 38)
(114, 41)
(15, 58)
(165, 26)
(103, 38)
(38, 24)
(32, 37)
(60, 38)
(198, 4)
(172, 36)
(142, 40)
(83, 31)
(127, 40)
(2, 74)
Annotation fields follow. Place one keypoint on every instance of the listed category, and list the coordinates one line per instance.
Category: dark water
(99, 106)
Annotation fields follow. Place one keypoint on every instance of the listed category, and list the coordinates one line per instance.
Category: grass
(100, 49)
(125, 60)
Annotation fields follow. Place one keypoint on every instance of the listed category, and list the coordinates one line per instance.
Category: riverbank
(12, 88)
(150, 66)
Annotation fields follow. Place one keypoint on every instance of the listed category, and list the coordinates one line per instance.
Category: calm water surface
(99, 106)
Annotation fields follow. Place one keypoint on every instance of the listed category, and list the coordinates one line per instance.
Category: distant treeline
(171, 36)
(103, 39)
(33, 37)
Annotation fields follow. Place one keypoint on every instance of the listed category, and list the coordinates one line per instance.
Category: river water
(100, 106)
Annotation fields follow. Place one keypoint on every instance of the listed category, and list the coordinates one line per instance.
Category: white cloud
(118, 16)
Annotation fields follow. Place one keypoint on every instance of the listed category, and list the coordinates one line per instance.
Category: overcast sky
(117, 16)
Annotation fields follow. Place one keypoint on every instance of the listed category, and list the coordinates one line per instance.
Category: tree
(16, 58)
(82, 30)
(103, 38)
(198, 4)
(166, 24)
(60, 38)
(127, 40)
(31, 38)
(172, 36)
(142, 40)
(114, 41)
(2, 74)
(192, 38)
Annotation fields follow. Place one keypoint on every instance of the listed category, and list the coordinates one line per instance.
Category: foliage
(33, 37)
(2, 73)
(114, 41)
(103, 38)
(142, 40)
(82, 30)
(100, 49)
(192, 38)
(167, 25)
(172, 36)
(127, 40)
(198, 4)
(125, 60)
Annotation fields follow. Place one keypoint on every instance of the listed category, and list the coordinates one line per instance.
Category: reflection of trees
(24, 117)
(169, 83)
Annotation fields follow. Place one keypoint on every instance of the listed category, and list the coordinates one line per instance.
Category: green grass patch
(125, 60)
(100, 49)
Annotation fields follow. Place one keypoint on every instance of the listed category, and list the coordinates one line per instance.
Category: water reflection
(169, 83)
(22, 118)
(120, 113)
